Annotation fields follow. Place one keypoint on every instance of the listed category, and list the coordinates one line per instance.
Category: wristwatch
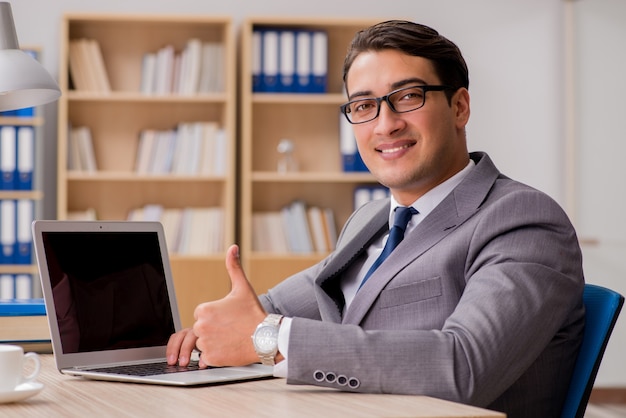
(265, 339)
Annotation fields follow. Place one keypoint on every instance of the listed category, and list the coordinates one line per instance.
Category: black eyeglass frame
(344, 108)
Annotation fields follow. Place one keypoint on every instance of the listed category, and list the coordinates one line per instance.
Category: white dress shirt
(354, 274)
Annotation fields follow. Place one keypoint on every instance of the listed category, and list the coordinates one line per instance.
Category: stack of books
(295, 229)
(23, 322)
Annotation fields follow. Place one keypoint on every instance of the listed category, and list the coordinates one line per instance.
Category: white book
(23, 286)
(217, 223)
(171, 218)
(221, 153)
(152, 212)
(195, 148)
(199, 232)
(145, 151)
(7, 286)
(185, 231)
(164, 70)
(162, 158)
(276, 233)
(379, 193)
(86, 149)
(148, 73)
(301, 225)
(182, 149)
(191, 71)
(362, 195)
(209, 148)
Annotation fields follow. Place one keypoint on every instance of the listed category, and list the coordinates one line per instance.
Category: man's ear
(461, 106)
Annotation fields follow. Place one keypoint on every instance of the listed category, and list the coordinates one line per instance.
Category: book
(86, 153)
(148, 73)
(319, 62)
(23, 321)
(270, 63)
(257, 60)
(8, 156)
(96, 61)
(7, 231)
(24, 241)
(25, 158)
(303, 61)
(287, 61)
(351, 160)
(316, 224)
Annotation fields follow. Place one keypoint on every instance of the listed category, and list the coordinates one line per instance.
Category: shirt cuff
(280, 369)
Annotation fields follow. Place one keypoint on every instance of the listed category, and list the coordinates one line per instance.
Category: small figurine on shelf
(286, 161)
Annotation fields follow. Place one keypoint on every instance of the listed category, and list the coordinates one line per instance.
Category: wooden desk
(66, 396)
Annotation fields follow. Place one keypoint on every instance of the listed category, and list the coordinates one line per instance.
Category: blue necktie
(396, 235)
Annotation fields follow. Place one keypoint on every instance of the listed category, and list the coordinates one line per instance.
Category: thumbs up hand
(224, 327)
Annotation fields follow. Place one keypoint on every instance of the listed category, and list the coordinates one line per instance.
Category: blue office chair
(602, 309)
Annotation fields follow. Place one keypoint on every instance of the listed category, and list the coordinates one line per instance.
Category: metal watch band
(274, 321)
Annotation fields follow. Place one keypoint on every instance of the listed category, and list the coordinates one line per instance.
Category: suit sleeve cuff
(280, 369)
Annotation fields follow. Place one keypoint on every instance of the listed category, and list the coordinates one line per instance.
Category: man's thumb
(235, 271)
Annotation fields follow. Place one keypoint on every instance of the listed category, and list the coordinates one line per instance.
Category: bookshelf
(118, 114)
(18, 272)
(311, 121)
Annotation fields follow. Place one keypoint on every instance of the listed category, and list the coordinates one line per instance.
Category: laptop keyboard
(148, 369)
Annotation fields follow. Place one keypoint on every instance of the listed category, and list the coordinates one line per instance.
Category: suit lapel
(365, 225)
(462, 203)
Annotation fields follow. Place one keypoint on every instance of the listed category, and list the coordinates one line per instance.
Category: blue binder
(25, 158)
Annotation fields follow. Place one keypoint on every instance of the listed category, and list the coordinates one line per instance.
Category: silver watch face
(266, 339)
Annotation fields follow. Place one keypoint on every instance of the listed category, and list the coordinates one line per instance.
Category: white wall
(514, 50)
(600, 74)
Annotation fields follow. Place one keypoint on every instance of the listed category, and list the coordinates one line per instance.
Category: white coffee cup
(12, 361)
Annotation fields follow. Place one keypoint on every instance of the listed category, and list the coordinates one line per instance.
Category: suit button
(331, 377)
(319, 376)
(354, 383)
(342, 380)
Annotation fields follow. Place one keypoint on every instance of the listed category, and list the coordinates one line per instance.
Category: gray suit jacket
(480, 304)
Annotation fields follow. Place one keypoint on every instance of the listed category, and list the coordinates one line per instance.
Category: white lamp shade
(23, 81)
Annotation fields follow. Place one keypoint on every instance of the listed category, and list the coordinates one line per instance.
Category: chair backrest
(602, 307)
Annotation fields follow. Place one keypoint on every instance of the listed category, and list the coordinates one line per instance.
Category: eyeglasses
(406, 99)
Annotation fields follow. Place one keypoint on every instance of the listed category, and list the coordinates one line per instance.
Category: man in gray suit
(481, 303)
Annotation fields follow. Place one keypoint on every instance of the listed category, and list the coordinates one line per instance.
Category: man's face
(408, 152)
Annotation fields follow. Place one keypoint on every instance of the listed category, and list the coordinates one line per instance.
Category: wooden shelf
(311, 121)
(117, 118)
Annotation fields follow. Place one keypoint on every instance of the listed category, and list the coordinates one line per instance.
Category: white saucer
(23, 391)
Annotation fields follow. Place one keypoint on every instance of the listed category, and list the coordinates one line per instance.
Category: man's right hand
(180, 346)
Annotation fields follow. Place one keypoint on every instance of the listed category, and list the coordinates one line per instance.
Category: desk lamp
(23, 81)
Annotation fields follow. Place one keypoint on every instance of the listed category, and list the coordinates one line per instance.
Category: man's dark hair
(416, 40)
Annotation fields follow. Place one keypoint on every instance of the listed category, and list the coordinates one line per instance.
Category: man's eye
(363, 106)
(412, 95)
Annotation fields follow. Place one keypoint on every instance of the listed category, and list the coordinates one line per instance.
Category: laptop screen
(109, 289)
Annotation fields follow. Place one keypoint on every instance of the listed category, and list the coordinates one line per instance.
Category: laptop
(111, 305)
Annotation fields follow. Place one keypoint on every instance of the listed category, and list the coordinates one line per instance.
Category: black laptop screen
(109, 290)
